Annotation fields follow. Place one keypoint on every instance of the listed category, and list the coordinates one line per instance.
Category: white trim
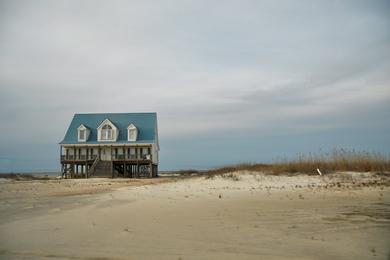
(106, 144)
(86, 133)
(132, 127)
(156, 140)
(106, 121)
(115, 131)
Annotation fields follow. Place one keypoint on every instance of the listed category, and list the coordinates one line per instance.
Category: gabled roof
(82, 126)
(105, 122)
(131, 126)
(145, 123)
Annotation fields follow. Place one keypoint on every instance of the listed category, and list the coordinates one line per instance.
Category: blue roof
(145, 123)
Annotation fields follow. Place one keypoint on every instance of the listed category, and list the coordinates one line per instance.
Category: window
(132, 133)
(106, 132)
(82, 134)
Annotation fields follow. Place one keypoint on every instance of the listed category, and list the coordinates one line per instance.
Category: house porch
(108, 161)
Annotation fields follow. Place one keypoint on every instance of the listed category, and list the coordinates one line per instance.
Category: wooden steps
(102, 169)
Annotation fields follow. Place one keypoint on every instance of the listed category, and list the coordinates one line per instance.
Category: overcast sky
(231, 81)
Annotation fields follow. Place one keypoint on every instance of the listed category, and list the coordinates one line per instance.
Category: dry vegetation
(22, 176)
(336, 160)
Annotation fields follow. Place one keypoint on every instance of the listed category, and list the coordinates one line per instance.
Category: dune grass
(336, 160)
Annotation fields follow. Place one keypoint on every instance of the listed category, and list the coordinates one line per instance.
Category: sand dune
(235, 216)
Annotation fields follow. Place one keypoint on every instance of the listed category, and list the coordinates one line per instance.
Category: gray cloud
(251, 68)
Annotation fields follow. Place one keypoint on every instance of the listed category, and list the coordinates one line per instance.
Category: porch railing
(119, 157)
(80, 157)
(115, 157)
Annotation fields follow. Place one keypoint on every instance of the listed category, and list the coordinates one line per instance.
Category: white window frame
(86, 133)
(103, 135)
(134, 133)
(107, 133)
(82, 134)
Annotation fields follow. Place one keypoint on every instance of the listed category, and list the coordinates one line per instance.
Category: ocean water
(42, 174)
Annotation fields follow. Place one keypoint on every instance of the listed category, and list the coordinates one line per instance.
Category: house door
(105, 154)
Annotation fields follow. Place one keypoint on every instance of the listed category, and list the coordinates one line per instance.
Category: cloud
(207, 68)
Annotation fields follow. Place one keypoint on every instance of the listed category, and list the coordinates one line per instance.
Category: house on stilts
(110, 145)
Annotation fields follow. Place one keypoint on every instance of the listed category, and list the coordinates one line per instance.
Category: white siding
(154, 154)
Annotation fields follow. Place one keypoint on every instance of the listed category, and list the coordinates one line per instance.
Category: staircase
(101, 169)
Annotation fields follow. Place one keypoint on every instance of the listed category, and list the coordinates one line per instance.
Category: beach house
(110, 145)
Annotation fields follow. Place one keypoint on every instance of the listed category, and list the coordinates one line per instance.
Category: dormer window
(107, 131)
(82, 133)
(132, 133)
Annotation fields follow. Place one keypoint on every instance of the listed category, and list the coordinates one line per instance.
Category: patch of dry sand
(235, 216)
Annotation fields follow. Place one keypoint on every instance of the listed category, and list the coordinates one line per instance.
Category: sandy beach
(242, 215)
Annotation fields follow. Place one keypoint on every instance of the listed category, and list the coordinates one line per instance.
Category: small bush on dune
(231, 176)
(187, 172)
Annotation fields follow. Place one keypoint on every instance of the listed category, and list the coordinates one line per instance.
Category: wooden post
(112, 163)
(137, 168)
(151, 154)
(112, 170)
(86, 170)
(86, 162)
(72, 171)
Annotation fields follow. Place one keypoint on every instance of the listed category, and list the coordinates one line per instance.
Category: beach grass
(336, 160)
